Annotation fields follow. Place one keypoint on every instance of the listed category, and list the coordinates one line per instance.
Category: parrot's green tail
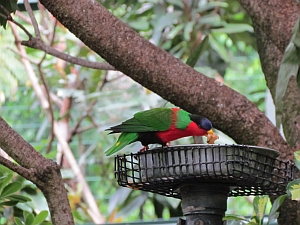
(123, 140)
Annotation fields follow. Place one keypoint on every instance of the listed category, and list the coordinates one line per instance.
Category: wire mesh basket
(247, 170)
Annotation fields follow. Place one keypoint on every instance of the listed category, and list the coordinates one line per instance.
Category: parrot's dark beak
(209, 132)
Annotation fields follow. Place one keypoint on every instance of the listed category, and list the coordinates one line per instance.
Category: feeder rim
(224, 145)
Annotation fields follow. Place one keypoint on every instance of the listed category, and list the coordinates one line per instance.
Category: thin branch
(38, 44)
(2, 15)
(75, 131)
(23, 17)
(93, 121)
(53, 33)
(22, 27)
(9, 18)
(83, 129)
(22, 56)
(87, 194)
(32, 18)
(44, 16)
(50, 105)
(6, 11)
(29, 70)
(26, 173)
(115, 78)
(56, 100)
(103, 82)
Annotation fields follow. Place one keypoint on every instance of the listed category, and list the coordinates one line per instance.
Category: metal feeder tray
(246, 170)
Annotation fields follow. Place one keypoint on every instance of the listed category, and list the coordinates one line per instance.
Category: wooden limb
(229, 111)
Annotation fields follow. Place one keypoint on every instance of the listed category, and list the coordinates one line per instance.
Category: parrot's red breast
(173, 133)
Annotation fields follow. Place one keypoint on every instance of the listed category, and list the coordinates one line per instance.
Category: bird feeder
(203, 176)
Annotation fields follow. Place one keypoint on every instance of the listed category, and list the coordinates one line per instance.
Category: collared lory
(159, 125)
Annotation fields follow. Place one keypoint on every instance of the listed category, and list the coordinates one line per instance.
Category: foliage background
(176, 26)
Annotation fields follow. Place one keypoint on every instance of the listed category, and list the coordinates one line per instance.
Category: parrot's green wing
(158, 119)
(123, 140)
(183, 119)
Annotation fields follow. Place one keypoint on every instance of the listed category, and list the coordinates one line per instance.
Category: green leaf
(136, 203)
(297, 159)
(118, 198)
(77, 216)
(11, 188)
(293, 189)
(40, 217)
(139, 25)
(9, 203)
(211, 5)
(196, 54)
(18, 221)
(46, 223)
(211, 19)
(231, 28)
(29, 217)
(188, 28)
(177, 2)
(4, 181)
(259, 205)
(219, 48)
(234, 217)
(11, 6)
(275, 206)
(289, 66)
(163, 22)
(295, 34)
(19, 198)
(175, 31)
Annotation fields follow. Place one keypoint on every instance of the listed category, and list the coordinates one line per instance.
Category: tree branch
(267, 14)
(38, 44)
(32, 18)
(47, 91)
(41, 171)
(160, 72)
(76, 129)
(9, 18)
(273, 22)
(26, 173)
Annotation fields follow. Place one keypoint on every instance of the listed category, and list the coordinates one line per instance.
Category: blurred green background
(105, 98)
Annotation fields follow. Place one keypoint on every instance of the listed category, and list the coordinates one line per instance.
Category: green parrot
(158, 126)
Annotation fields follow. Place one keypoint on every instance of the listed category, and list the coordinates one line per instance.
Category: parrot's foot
(145, 148)
(165, 145)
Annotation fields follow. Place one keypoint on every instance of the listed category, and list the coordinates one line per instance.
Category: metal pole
(204, 204)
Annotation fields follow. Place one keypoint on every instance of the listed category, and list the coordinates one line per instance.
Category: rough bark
(276, 18)
(273, 21)
(291, 115)
(41, 171)
(157, 70)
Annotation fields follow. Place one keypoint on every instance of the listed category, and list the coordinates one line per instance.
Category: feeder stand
(203, 176)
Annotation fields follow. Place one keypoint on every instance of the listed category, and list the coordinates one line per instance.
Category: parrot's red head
(202, 122)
